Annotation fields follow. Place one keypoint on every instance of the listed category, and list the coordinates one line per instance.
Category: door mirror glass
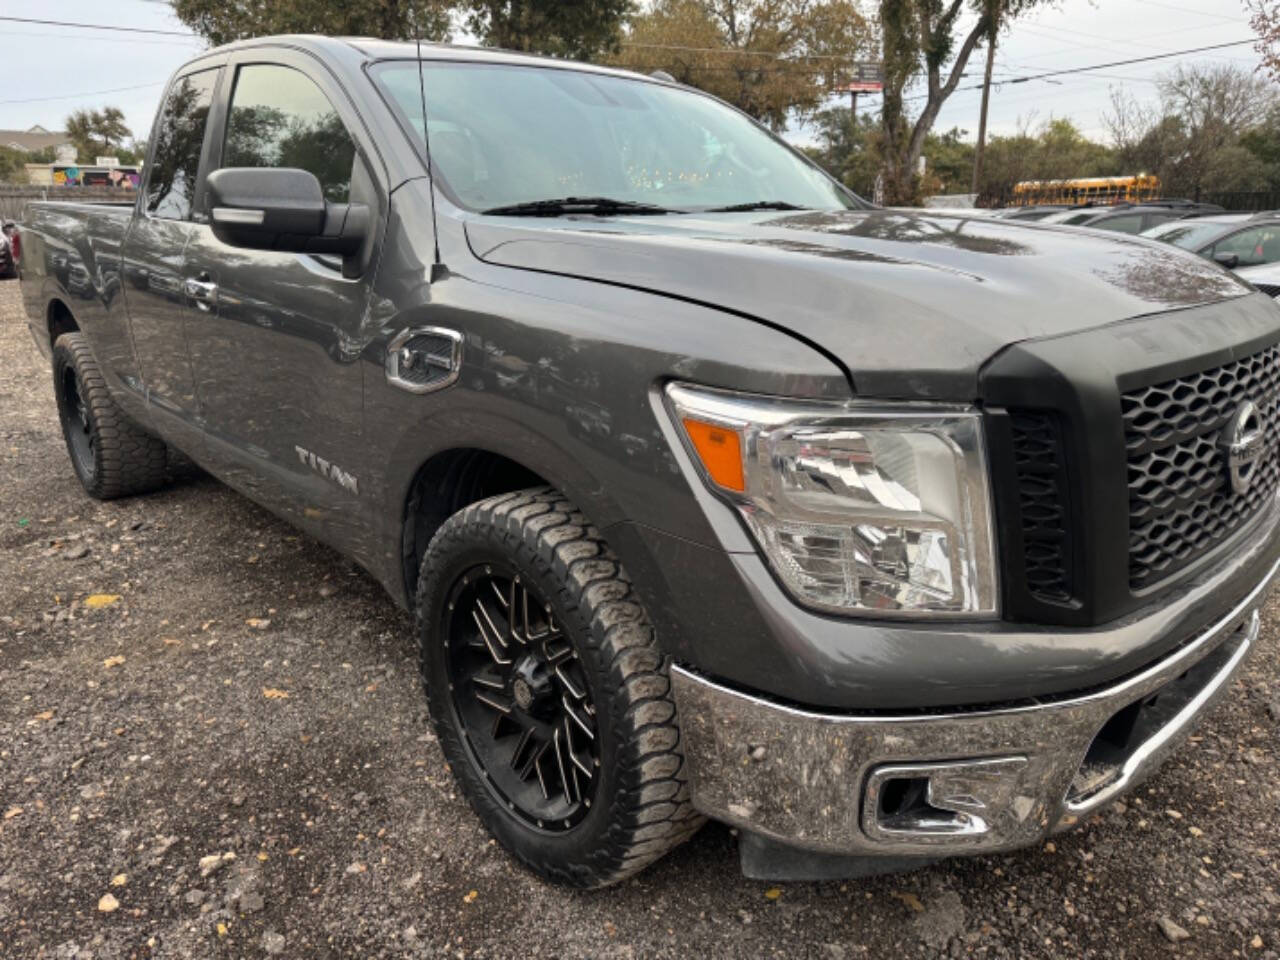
(282, 208)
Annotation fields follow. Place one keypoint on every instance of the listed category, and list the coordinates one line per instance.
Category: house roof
(35, 138)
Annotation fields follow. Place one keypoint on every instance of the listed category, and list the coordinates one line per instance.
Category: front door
(275, 338)
(152, 259)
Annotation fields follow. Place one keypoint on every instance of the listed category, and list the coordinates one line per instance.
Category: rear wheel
(111, 455)
(547, 690)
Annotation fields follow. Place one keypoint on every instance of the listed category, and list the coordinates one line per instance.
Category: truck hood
(911, 303)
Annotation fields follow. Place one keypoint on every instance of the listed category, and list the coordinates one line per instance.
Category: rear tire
(111, 455)
(609, 795)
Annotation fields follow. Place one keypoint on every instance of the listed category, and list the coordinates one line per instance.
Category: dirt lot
(233, 759)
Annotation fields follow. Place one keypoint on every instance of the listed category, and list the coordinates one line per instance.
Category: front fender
(558, 375)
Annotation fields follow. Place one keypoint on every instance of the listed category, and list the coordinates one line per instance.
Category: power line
(978, 86)
(90, 93)
(99, 26)
(18, 34)
(1121, 63)
(1198, 13)
(737, 51)
(1101, 66)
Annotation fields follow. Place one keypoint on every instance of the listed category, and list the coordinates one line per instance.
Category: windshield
(503, 134)
(1188, 234)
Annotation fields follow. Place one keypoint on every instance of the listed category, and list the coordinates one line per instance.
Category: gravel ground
(233, 759)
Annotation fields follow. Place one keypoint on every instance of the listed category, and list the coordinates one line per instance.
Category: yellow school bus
(1142, 186)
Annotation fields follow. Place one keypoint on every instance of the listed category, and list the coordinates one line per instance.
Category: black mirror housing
(1228, 260)
(282, 208)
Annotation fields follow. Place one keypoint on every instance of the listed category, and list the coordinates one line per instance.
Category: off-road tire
(123, 459)
(643, 808)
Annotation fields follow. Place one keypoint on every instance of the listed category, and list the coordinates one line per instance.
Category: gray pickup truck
(882, 536)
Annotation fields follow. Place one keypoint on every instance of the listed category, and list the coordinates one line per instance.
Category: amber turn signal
(720, 450)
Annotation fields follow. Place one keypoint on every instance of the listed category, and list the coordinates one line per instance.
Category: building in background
(37, 138)
(65, 171)
(104, 172)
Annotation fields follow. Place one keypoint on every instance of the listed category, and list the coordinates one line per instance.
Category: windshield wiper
(756, 205)
(564, 205)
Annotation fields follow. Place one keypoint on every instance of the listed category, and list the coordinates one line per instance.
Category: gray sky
(56, 70)
(1078, 33)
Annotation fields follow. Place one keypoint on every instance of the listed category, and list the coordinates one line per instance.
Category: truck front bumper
(939, 783)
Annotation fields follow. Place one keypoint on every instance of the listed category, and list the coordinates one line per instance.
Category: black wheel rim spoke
(521, 699)
(77, 424)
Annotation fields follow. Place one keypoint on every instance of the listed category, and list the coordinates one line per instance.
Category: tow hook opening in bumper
(1135, 738)
(932, 785)
(963, 800)
(944, 800)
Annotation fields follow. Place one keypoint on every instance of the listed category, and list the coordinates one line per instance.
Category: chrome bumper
(938, 784)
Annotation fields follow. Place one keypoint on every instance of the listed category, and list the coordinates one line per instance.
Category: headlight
(859, 507)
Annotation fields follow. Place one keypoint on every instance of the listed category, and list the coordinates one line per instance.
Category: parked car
(1266, 278)
(1129, 217)
(1037, 212)
(1233, 239)
(10, 249)
(881, 535)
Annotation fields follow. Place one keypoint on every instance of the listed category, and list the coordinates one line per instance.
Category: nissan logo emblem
(1243, 441)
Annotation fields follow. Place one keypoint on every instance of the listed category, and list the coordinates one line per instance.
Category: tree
(1056, 151)
(578, 29)
(222, 21)
(1263, 142)
(1193, 139)
(1264, 17)
(94, 132)
(769, 58)
(920, 38)
(11, 165)
(948, 162)
(133, 154)
(848, 147)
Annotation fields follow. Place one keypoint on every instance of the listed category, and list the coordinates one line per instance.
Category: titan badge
(329, 470)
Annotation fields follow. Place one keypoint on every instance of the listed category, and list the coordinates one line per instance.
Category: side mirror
(282, 208)
(1228, 260)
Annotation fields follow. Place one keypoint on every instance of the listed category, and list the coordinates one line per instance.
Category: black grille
(1040, 469)
(1181, 504)
(1270, 289)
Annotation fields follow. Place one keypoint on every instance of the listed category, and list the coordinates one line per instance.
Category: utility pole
(986, 96)
(853, 106)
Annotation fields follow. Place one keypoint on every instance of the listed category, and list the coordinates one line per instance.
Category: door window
(171, 180)
(1155, 219)
(280, 118)
(1254, 246)
(1127, 224)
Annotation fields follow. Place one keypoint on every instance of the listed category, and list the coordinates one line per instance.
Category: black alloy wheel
(521, 698)
(77, 426)
(548, 692)
(112, 456)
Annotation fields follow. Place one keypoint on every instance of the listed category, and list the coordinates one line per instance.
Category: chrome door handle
(203, 292)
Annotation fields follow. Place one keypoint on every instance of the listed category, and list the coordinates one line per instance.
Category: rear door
(275, 337)
(154, 249)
